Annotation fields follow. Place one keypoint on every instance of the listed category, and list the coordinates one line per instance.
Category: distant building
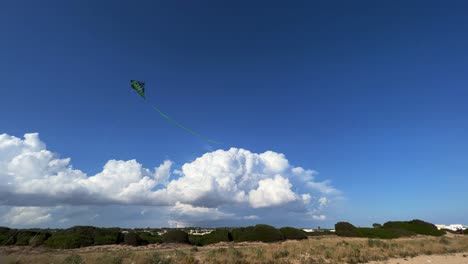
(453, 227)
(317, 230)
(200, 232)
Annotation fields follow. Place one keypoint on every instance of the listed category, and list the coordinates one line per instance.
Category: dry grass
(329, 249)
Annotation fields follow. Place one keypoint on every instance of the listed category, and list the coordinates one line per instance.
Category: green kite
(139, 87)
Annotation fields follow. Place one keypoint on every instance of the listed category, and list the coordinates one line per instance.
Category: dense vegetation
(389, 230)
(264, 233)
(175, 236)
(218, 235)
(82, 236)
(293, 233)
(25, 237)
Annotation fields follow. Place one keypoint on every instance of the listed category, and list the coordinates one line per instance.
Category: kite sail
(139, 87)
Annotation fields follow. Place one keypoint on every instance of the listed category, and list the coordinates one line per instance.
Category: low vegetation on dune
(263, 233)
(389, 230)
(85, 236)
(218, 235)
(293, 233)
(325, 249)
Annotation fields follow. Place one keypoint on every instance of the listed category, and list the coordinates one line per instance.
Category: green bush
(133, 239)
(39, 240)
(416, 226)
(23, 237)
(264, 233)
(7, 236)
(384, 233)
(389, 230)
(216, 236)
(149, 238)
(346, 229)
(68, 241)
(97, 236)
(175, 236)
(293, 233)
(465, 232)
(107, 236)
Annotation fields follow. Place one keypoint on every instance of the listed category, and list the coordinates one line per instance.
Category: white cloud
(27, 216)
(319, 217)
(184, 211)
(272, 192)
(323, 201)
(219, 184)
(163, 172)
(251, 217)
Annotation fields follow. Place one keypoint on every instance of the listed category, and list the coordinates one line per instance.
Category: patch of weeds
(157, 258)
(111, 259)
(444, 241)
(259, 252)
(73, 259)
(234, 252)
(281, 254)
(342, 243)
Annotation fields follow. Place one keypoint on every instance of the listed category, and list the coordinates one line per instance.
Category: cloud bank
(220, 187)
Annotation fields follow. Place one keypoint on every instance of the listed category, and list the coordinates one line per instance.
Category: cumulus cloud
(272, 192)
(27, 215)
(220, 184)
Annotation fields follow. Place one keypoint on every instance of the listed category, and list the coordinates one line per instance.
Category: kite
(139, 87)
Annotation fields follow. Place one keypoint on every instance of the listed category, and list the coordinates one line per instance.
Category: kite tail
(180, 125)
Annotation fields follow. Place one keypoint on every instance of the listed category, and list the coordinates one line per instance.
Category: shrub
(7, 236)
(389, 230)
(23, 237)
(39, 239)
(149, 238)
(68, 241)
(107, 236)
(133, 239)
(465, 232)
(376, 225)
(293, 233)
(218, 235)
(415, 226)
(264, 233)
(175, 236)
(346, 229)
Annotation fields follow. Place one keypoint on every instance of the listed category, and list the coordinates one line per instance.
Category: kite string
(180, 125)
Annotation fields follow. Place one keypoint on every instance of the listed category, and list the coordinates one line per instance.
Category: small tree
(376, 225)
(132, 239)
(175, 236)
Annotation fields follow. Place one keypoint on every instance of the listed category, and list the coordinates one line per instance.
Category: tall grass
(312, 250)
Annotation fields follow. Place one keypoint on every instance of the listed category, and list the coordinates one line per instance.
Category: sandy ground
(458, 258)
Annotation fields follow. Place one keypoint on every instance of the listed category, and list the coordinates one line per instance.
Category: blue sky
(371, 95)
